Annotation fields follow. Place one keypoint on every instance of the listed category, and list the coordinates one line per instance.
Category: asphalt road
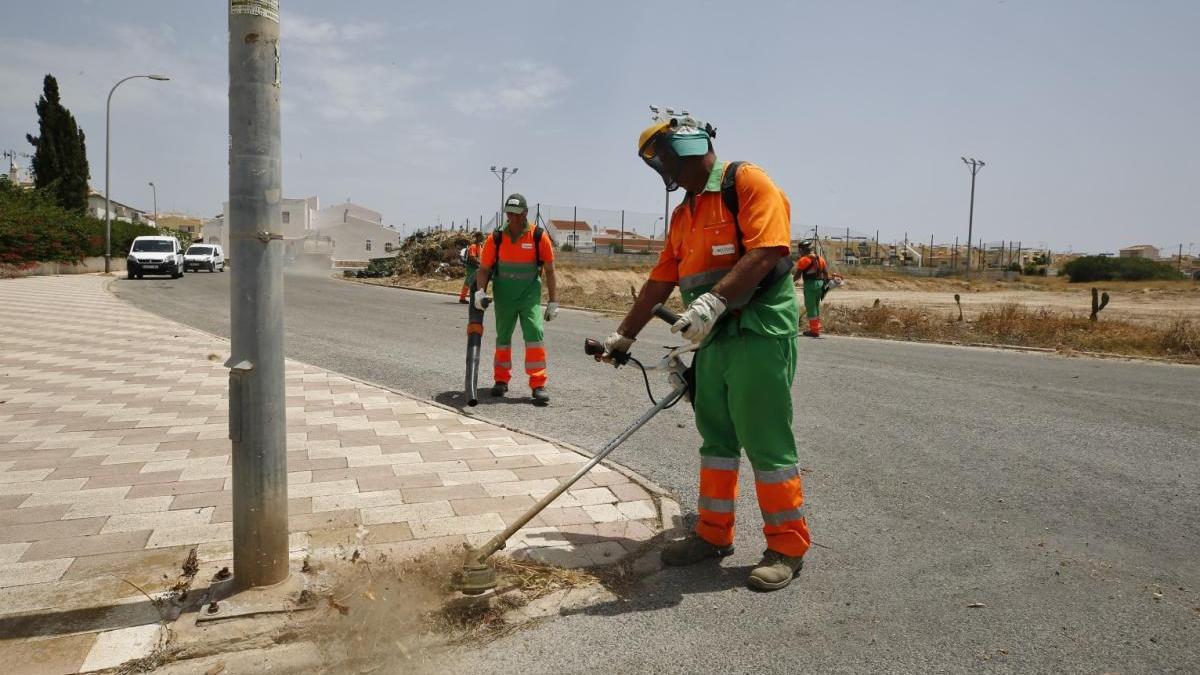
(1060, 493)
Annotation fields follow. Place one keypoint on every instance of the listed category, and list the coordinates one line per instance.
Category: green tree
(59, 164)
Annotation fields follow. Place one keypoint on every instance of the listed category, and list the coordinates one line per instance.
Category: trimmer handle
(594, 348)
(665, 314)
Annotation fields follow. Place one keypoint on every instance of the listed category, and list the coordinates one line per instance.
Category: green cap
(516, 204)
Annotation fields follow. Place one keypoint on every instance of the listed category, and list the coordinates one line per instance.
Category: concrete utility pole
(503, 175)
(108, 163)
(975, 165)
(154, 191)
(256, 386)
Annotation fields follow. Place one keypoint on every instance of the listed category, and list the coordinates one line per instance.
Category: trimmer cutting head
(475, 578)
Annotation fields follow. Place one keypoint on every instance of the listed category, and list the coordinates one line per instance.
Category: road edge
(669, 512)
(1108, 356)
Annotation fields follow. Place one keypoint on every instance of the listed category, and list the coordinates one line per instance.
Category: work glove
(480, 296)
(551, 311)
(700, 317)
(615, 344)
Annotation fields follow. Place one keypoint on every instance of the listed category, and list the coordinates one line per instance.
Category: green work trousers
(812, 297)
(523, 306)
(744, 401)
(744, 398)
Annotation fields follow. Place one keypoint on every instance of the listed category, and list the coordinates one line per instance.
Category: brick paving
(115, 461)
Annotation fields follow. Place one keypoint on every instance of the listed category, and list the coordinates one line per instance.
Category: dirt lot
(1128, 301)
(1148, 302)
(1149, 319)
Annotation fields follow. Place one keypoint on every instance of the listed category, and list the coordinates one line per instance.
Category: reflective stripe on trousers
(718, 494)
(781, 500)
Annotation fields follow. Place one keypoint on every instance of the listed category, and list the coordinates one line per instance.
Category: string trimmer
(477, 575)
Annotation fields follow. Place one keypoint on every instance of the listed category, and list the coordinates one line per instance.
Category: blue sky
(1085, 112)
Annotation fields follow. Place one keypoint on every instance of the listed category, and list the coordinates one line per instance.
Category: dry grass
(1176, 338)
(1018, 325)
(400, 614)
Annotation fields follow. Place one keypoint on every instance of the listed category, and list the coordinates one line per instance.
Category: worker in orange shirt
(813, 273)
(728, 252)
(470, 259)
(517, 257)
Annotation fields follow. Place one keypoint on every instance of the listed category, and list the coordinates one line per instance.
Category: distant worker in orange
(516, 257)
(814, 272)
(470, 259)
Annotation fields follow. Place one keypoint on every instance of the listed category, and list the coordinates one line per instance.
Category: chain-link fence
(595, 232)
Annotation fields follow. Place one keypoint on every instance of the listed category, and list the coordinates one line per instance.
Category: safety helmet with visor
(664, 143)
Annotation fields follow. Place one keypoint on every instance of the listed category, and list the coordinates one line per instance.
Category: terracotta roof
(571, 225)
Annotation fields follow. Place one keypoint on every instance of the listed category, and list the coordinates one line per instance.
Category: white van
(154, 255)
(204, 256)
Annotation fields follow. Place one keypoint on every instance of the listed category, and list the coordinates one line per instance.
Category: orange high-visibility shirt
(812, 265)
(702, 246)
(519, 251)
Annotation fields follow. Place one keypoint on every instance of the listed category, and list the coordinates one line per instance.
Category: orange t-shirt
(812, 265)
(519, 251)
(702, 243)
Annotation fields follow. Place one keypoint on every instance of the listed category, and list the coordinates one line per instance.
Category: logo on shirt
(527, 245)
(723, 249)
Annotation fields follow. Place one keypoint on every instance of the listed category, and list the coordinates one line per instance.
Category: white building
(96, 203)
(1140, 251)
(297, 219)
(577, 233)
(348, 233)
(340, 214)
(354, 242)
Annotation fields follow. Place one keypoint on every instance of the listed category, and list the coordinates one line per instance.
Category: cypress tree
(60, 153)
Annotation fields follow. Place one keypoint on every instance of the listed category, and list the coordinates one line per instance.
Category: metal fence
(606, 232)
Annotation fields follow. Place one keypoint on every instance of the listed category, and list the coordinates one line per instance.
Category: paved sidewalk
(115, 462)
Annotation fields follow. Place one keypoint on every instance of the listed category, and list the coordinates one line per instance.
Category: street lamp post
(503, 173)
(975, 165)
(107, 153)
(257, 394)
(154, 191)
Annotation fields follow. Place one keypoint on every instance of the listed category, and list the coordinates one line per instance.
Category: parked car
(154, 255)
(204, 256)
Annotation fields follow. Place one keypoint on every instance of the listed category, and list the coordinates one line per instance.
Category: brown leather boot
(774, 571)
(692, 550)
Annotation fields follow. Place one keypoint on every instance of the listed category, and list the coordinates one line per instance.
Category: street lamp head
(493, 167)
(514, 170)
(160, 78)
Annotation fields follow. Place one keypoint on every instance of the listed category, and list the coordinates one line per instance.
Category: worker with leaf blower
(728, 252)
(813, 273)
(470, 260)
(516, 257)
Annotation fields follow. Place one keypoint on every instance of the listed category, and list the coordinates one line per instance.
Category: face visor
(664, 144)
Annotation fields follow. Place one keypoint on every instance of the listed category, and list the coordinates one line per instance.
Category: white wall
(213, 231)
(338, 214)
(349, 239)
